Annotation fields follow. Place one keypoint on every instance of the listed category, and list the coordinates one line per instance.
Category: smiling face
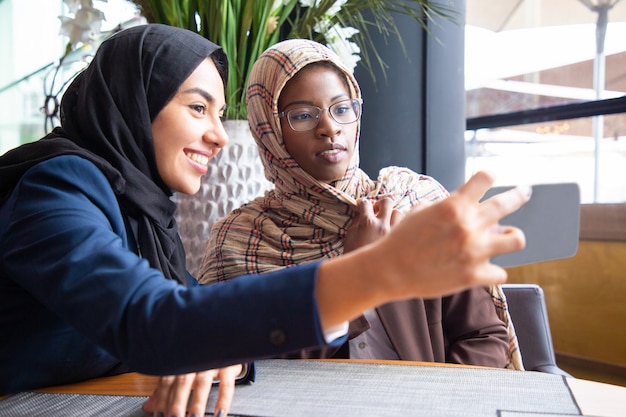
(188, 132)
(325, 151)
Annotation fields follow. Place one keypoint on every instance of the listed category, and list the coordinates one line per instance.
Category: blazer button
(277, 337)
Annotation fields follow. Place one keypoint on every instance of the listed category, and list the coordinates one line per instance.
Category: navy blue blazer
(77, 302)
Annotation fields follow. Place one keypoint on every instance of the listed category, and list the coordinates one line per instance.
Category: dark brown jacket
(462, 328)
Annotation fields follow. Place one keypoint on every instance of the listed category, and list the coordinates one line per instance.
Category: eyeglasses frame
(322, 110)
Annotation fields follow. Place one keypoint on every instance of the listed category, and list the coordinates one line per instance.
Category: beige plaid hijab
(303, 219)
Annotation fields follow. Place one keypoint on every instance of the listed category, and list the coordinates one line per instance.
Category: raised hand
(371, 222)
(436, 249)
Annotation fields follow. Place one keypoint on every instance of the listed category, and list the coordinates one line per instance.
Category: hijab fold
(106, 118)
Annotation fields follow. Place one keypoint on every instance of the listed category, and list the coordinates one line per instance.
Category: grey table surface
(318, 388)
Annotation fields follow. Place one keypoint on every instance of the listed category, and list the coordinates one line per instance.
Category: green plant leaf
(243, 28)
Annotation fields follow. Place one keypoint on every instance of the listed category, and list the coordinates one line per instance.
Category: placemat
(288, 388)
(37, 404)
(313, 388)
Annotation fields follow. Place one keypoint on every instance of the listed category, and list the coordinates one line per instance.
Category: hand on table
(171, 396)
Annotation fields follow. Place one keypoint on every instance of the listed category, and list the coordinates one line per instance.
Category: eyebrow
(205, 94)
(310, 103)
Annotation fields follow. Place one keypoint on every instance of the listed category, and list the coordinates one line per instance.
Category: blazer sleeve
(64, 250)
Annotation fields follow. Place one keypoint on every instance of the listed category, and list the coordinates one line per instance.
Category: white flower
(277, 5)
(347, 52)
(309, 3)
(339, 32)
(337, 38)
(85, 24)
(332, 10)
(74, 5)
(322, 26)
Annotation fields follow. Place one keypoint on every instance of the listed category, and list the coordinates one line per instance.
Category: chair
(530, 317)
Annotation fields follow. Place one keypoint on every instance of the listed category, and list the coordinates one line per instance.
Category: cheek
(292, 144)
(300, 152)
(165, 149)
(352, 146)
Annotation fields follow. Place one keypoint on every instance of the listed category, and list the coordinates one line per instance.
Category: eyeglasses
(306, 118)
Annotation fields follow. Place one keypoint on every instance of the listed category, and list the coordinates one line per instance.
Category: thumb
(365, 207)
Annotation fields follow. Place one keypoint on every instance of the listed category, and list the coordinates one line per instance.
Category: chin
(188, 188)
(192, 191)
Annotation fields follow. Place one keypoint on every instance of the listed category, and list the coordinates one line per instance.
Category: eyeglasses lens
(308, 117)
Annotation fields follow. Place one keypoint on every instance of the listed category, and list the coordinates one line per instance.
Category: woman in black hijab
(87, 236)
(107, 116)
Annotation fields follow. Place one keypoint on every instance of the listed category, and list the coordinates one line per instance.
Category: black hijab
(106, 117)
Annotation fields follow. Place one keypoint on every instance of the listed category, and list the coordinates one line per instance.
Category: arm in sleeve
(68, 249)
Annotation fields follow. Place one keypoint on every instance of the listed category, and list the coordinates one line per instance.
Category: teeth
(198, 158)
(330, 152)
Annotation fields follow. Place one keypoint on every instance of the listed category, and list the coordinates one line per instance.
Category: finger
(201, 390)
(150, 405)
(365, 207)
(159, 399)
(383, 208)
(500, 205)
(227, 388)
(179, 395)
(476, 187)
(490, 274)
(506, 239)
(396, 217)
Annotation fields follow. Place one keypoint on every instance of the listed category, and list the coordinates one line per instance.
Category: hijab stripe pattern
(301, 219)
(106, 117)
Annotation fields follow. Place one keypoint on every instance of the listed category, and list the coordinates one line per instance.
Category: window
(31, 52)
(543, 103)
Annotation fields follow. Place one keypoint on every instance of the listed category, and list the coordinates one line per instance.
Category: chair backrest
(530, 317)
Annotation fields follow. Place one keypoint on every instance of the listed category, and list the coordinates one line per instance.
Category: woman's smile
(199, 160)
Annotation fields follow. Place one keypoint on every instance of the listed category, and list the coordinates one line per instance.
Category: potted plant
(245, 28)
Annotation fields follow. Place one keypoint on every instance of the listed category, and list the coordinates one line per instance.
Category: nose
(327, 126)
(215, 133)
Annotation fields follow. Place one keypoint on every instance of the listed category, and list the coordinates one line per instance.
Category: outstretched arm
(457, 238)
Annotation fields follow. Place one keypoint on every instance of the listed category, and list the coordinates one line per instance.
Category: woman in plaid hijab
(312, 159)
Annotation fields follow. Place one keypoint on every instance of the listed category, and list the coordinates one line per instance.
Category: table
(351, 388)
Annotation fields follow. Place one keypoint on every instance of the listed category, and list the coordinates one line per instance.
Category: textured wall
(235, 177)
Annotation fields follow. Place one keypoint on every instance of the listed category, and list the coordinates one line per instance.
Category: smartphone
(550, 221)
